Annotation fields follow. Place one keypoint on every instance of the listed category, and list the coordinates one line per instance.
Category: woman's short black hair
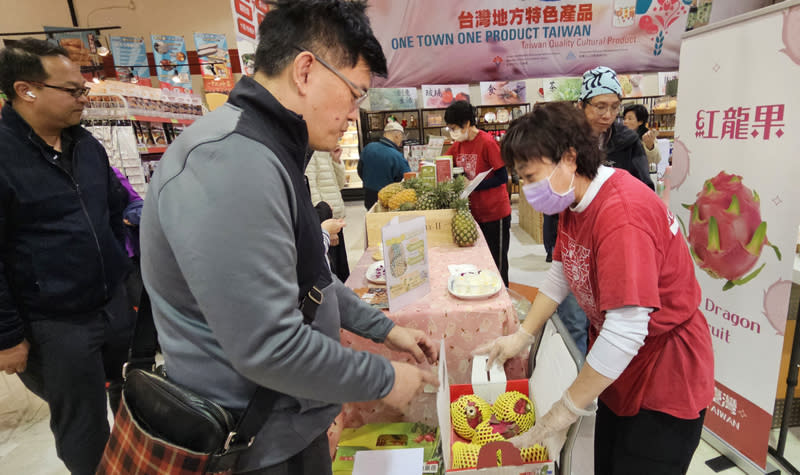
(22, 61)
(639, 110)
(459, 113)
(550, 130)
(336, 30)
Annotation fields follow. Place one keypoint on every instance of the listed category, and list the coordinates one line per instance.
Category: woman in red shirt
(476, 151)
(621, 252)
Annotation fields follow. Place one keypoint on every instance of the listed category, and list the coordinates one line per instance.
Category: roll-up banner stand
(734, 187)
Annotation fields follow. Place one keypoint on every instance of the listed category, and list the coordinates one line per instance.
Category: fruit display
(479, 423)
(404, 197)
(414, 194)
(726, 232)
(386, 193)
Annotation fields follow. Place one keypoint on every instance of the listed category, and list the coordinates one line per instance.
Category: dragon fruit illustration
(791, 34)
(726, 233)
(680, 165)
(776, 301)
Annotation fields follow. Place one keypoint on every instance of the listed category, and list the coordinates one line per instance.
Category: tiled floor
(26, 444)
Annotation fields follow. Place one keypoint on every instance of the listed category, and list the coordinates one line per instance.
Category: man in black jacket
(600, 100)
(65, 324)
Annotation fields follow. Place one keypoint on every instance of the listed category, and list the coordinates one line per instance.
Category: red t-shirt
(476, 156)
(626, 249)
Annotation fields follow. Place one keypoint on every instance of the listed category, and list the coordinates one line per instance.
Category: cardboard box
(530, 220)
(438, 224)
(387, 436)
(554, 372)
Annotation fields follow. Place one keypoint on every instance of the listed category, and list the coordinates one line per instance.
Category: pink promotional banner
(734, 188)
(482, 40)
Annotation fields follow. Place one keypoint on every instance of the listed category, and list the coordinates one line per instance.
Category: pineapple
(407, 207)
(386, 193)
(427, 201)
(444, 194)
(465, 231)
(513, 406)
(415, 184)
(459, 183)
(467, 412)
(407, 195)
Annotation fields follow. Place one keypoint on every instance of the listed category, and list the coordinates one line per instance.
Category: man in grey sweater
(232, 247)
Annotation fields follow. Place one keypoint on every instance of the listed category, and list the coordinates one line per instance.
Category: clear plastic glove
(505, 347)
(550, 430)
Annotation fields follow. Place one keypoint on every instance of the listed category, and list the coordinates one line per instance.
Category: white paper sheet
(388, 462)
(474, 183)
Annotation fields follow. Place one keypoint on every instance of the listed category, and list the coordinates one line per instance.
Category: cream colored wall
(161, 17)
(173, 17)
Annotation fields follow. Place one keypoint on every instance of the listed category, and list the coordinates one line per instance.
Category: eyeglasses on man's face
(75, 92)
(359, 95)
(604, 108)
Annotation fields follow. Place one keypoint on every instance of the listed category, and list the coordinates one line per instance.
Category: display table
(464, 324)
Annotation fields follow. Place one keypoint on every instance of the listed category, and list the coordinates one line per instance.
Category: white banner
(735, 169)
(247, 15)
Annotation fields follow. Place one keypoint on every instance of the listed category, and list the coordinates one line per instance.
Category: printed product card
(405, 254)
(434, 148)
(427, 173)
(444, 169)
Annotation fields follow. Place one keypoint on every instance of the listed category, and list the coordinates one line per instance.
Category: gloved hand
(505, 347)
(550, 430)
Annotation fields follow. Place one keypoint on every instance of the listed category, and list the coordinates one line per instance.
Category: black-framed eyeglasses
(75, 92)
(604, 108)
(359, 95)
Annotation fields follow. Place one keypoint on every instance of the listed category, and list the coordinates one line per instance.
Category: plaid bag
(163, 428)
(132, 450)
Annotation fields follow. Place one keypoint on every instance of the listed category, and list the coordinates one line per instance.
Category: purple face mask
(544, 199)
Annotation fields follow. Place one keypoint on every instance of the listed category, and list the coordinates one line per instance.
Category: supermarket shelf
(666, 133)
(663, 111)
(166, 120)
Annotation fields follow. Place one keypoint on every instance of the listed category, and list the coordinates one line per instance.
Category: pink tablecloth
(464, 324)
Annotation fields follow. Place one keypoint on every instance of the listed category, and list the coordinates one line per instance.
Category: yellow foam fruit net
(485, 433)
(513, 406)
(465, 455)
(468, 408)
(537, 453)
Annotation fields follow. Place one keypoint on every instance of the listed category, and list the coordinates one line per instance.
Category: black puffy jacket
(61, 236)
(624, 150)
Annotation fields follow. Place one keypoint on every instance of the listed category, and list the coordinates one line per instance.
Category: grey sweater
(219, 261)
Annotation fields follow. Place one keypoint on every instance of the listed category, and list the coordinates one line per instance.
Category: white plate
(453, 286)
(490, 117)
(375, 275)
(502, 115)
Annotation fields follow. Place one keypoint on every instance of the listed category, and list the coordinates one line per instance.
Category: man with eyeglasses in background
(232, 250)
(65, 322)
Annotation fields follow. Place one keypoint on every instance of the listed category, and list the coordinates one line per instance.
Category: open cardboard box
(556, 368)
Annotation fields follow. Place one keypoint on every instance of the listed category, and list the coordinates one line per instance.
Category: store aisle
(27, 447)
